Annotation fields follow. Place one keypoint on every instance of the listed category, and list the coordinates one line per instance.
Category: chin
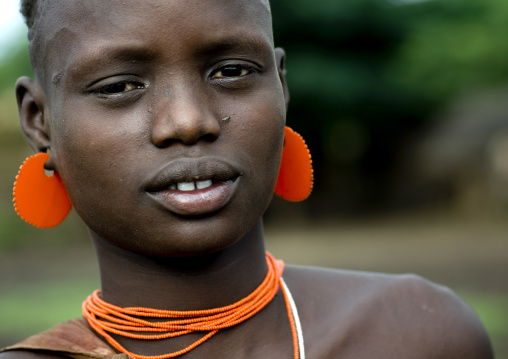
(188, 238)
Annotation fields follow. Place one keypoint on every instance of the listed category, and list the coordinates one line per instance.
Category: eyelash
(244, 71)
(123, 87)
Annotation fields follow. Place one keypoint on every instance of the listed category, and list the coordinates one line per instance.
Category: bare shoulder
(21, 354)
(362, 315)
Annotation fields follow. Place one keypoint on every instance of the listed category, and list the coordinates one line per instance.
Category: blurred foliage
(15, 62)
(454, 46)
(366, 75)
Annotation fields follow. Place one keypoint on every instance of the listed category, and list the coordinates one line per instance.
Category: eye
(231, 71)
(120, 87)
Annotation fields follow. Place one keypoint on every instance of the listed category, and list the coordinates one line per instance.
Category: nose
(183, 116)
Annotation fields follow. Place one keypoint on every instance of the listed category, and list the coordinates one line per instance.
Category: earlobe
(31, 100)
(280, 57)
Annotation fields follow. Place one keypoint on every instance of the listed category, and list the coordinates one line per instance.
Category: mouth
(191, 186)
(194, 187)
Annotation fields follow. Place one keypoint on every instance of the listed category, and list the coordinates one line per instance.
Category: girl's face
(166, 118)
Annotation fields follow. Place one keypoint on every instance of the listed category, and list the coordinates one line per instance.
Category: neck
(131, 279)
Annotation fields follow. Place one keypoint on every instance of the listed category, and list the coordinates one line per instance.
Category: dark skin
(129, 102)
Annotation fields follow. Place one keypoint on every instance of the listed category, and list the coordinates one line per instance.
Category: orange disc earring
(296, 178)
(39, 199)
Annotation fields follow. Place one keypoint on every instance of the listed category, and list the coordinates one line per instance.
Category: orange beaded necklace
(104, 317)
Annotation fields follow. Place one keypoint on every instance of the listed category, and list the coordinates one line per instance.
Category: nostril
(166, 143)
(186, 139)
(209, 137)
(192, 138)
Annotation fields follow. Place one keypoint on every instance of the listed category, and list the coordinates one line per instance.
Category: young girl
(164, 121)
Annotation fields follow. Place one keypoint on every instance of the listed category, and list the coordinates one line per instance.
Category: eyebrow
(224, 45)
(102, 56)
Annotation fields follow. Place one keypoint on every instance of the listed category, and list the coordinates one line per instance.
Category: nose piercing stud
(226, 119)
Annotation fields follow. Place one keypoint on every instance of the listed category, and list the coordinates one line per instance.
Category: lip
(198, 202)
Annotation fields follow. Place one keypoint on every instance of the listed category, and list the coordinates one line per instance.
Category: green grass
(29, 309)
(493, 312)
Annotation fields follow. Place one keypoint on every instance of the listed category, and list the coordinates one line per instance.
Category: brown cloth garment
(73, 339)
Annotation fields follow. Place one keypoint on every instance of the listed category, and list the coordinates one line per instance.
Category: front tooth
(186, 186)
(203, 184)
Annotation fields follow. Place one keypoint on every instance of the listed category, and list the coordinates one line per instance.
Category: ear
(31, 101)
(280, 57)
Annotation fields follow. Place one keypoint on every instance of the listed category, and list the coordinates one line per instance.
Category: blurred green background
(404, 105)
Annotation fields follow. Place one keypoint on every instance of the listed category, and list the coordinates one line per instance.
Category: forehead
(68, 26)
(141, 9)
(56, 11)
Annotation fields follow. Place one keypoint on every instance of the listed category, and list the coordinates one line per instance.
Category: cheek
(264, 132)
(270, 132)
(92, 158)
(83, 170)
